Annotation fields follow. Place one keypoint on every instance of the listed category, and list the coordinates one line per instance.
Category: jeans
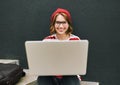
(52, 80)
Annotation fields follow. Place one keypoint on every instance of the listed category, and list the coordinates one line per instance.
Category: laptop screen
(57, 58)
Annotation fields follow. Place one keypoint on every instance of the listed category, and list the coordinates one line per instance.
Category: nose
(61, 25)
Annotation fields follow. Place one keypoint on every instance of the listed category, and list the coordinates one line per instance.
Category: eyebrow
(61, 21)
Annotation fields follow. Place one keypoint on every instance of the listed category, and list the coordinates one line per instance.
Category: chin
(61, 33)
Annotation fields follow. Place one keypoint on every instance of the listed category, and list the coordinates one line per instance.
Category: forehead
(60, 18)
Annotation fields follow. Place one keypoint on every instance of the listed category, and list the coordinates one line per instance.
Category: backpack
(10, 74)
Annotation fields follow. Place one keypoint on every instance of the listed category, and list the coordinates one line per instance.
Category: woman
(60, 29)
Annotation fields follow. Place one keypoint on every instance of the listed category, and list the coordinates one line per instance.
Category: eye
(64, 22)
(60, 22)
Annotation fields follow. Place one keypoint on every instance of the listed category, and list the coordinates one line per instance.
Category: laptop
(57, 58)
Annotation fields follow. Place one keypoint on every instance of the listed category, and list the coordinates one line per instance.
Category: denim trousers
(52, 80)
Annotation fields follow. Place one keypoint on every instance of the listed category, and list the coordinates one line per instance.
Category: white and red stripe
(54, 37)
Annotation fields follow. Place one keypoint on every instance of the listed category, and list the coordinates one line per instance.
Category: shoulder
(74, 37)
(50, 37)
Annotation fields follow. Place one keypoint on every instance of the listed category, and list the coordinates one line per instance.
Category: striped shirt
(54, 37)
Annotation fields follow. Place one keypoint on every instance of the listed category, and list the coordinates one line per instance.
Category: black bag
(10, 74)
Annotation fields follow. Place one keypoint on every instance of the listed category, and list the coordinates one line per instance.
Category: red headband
(60, 10)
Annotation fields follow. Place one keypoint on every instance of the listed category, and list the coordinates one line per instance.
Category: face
(61, 25)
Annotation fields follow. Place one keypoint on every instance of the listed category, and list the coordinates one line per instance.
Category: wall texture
(95, 20)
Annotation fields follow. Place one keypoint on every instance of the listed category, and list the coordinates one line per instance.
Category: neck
(62, 37)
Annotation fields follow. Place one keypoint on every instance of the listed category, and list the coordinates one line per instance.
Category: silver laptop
(57, 58)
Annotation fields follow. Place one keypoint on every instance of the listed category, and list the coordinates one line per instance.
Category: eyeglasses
(60, 22)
